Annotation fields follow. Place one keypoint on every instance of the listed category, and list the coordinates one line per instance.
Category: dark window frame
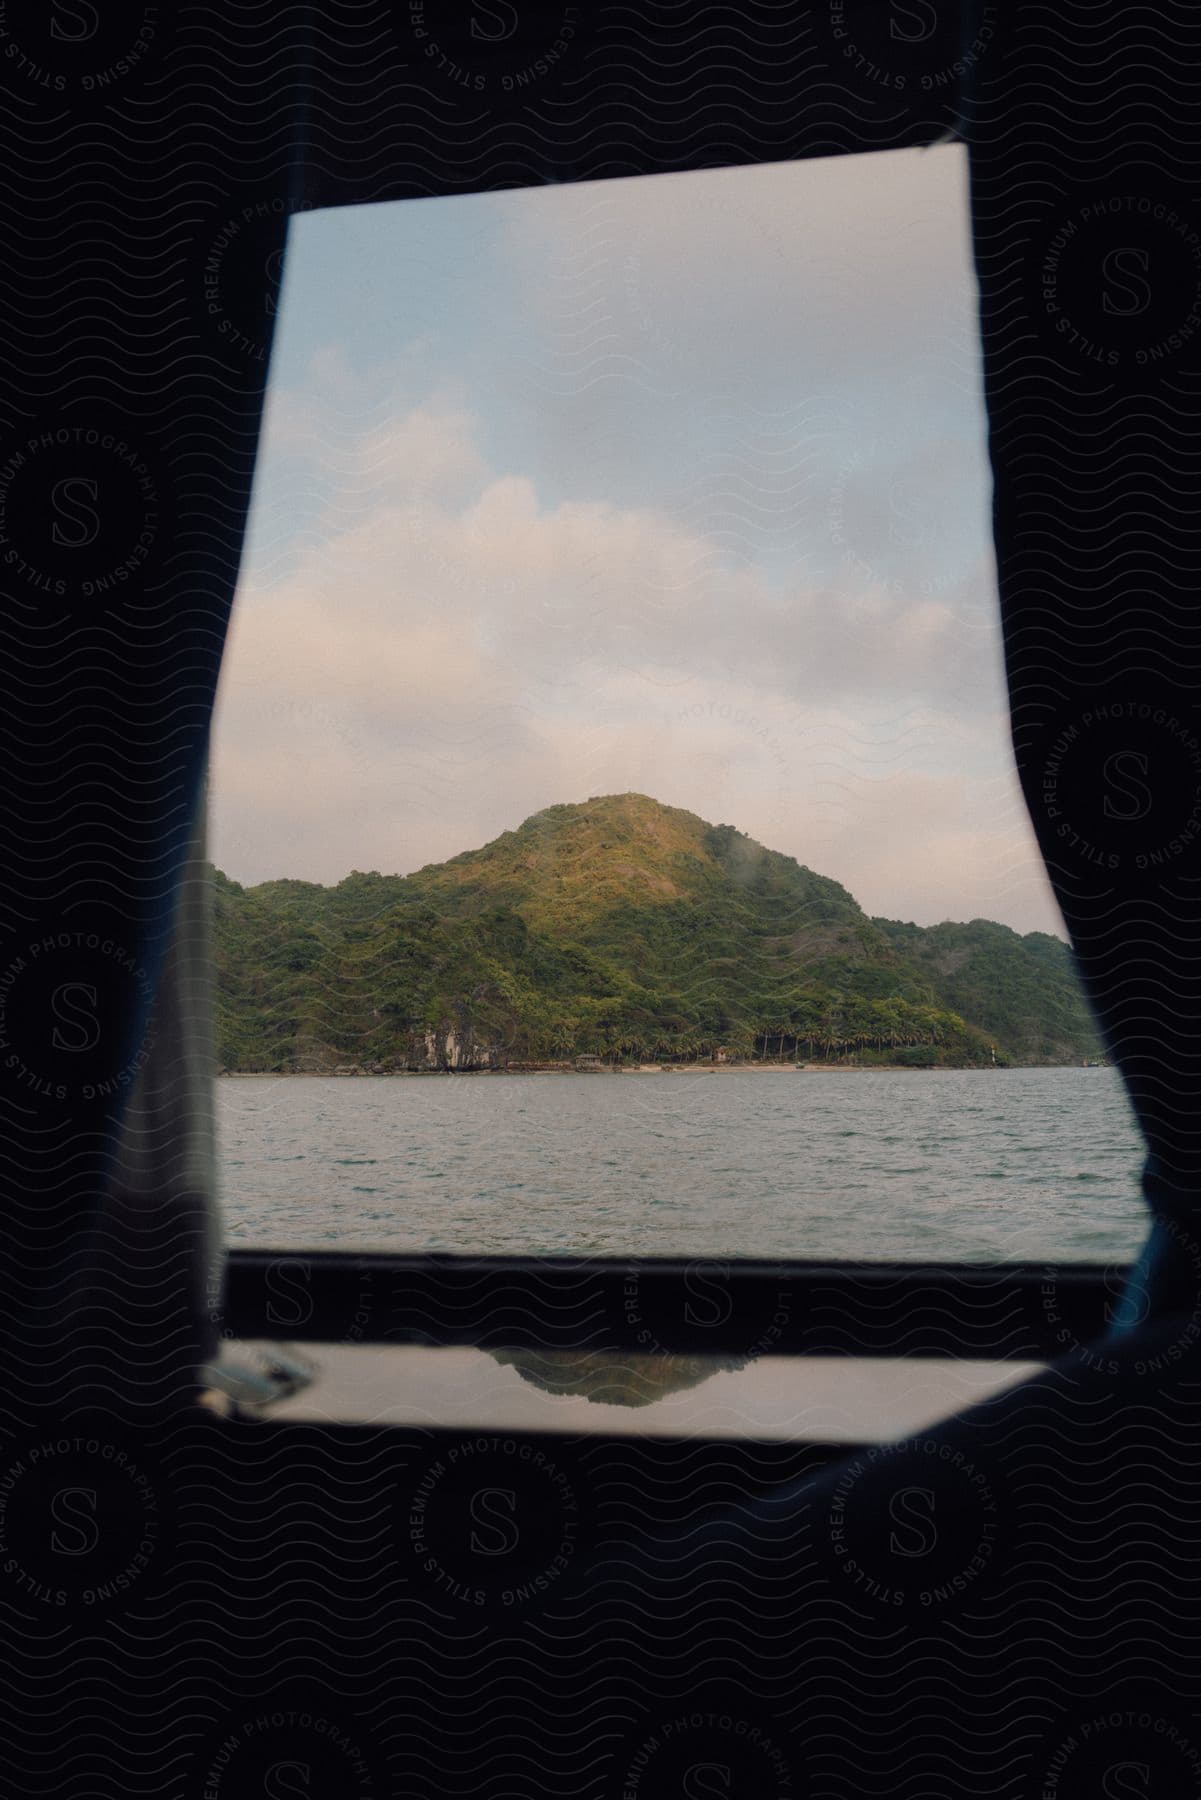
(1003, 1312)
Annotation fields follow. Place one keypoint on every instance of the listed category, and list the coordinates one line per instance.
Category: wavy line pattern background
(196, 1605)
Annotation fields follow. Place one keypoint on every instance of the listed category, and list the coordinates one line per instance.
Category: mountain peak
(618, 925)
(633, 809)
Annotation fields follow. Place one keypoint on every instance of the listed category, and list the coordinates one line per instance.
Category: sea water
(978, 1166)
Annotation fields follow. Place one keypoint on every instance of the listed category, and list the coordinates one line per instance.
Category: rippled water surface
(979, 1166)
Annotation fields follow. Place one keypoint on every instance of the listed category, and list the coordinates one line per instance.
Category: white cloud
(440, 654)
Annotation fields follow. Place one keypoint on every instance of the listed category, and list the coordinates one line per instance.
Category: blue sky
(675, 485)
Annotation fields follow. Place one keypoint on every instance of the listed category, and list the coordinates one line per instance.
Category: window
(614, 546)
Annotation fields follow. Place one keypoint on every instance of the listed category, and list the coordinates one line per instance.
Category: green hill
(626, 929)
(1022, 990)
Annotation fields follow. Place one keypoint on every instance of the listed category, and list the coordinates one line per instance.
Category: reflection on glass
(613, 1377)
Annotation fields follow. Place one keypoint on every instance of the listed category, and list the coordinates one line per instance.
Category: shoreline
(665, 1069)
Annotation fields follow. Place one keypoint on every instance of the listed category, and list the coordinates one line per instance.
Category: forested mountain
(1022, 990)
(627, 929)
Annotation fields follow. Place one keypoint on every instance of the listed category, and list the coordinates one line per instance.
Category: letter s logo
(75, 1508)
(501, 13)
(66, 1004)
(913, 1508)
(74, 491)
(1127, 1781)
(708, 1287)
(920, 13)
(1131, 1300)
(1137, 792)
(494, 1508)
(704, 1781)
(278, 1782)
(294, 1292)
(83, 15)
(1133, 263)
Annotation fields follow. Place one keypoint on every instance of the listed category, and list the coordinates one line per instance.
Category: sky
(675, 485)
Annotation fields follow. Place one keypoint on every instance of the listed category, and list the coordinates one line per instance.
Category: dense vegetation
(626, 929)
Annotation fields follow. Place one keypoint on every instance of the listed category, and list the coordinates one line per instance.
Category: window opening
(612, 721)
